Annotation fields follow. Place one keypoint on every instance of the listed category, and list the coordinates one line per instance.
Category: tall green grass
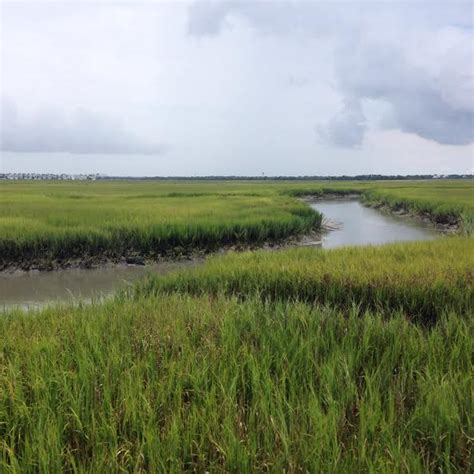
(422, 279)
(57, 222)
(180, 383)
(40, 227)
(292, 361)
(439, 211)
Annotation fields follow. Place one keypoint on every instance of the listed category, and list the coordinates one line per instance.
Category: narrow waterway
(351, 223)
(355, 224)
(34, 289)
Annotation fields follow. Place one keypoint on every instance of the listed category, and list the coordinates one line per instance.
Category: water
(359, 225)
(35, 289)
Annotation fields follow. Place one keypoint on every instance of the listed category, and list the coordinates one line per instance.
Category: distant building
(49, 177)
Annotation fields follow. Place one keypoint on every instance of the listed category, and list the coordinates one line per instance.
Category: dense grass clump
(50, 224)
(179, 383)
(439, 211)
(423, 279)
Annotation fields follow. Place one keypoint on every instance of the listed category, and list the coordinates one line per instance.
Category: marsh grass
(56, 222)
(443, 202)
(180, 383)
(292, 361)
(422, 279)
(63, 227)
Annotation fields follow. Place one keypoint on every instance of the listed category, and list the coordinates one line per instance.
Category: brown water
(35, 289)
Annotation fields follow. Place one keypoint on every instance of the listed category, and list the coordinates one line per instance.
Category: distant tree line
(360, 177)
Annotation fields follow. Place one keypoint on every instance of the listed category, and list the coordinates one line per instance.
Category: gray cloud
(206, 18)
(81, 131)
(430, 93)
(347, 128)
(210, 17)
(409, 56)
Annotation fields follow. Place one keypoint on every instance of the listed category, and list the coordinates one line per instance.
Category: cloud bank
(81, 131)
(417, 63)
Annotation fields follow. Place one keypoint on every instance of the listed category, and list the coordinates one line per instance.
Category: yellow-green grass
(444, 201)
(422, 279)
(179, 383)
(453, 208)
(293, 361)
(60, 221)
(69, 222)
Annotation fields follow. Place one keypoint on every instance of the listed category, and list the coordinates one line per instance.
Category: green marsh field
(56, 223)
(358, 359)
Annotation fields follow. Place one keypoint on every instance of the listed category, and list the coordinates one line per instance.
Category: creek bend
(350, 221)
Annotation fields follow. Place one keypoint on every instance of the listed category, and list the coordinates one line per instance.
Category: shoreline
(313, 238)
(451, 227)
(181, 255)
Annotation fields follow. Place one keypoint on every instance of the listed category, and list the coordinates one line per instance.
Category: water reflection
(355, 224)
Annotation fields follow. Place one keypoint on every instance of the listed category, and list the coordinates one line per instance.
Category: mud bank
(445, 224)
(178, 254)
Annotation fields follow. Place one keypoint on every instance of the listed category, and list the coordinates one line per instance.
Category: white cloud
(51, 130)
(417, 74)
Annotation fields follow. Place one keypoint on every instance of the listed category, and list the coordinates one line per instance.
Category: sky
(185, 88)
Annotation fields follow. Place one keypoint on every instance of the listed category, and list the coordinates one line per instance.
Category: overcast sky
(237, 88)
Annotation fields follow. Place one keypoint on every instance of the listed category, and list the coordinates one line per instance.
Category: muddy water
(35, 289)
(355, 224)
